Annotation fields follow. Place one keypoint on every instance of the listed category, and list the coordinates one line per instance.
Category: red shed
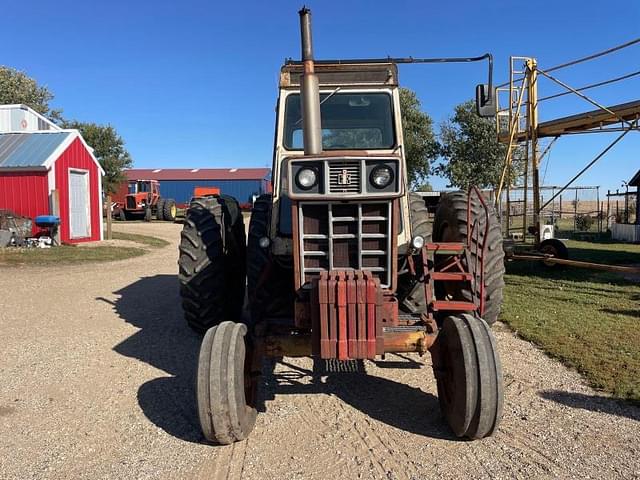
(34, 164)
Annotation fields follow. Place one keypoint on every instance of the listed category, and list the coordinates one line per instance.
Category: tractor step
(445, 248)
(452, 276)
(453, 305)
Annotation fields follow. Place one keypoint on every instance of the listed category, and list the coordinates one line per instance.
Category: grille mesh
(344, 177)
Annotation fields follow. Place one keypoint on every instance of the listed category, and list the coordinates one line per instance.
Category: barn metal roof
(635, 181)
(29, 150)
(199, 174)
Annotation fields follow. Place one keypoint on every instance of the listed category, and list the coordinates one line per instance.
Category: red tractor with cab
(143, 200)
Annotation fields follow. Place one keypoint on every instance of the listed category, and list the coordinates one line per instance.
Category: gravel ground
(96, 381)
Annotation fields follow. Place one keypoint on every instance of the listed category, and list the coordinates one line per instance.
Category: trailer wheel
(160, 209)
(469, 376)
(450, 225)
(225, 416)
(555, 248)
(410, 290)
(169, 210)
(212, 263)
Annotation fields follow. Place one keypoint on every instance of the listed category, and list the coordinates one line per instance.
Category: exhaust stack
(310, 91)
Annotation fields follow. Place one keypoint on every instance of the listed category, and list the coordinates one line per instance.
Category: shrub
(584, 222)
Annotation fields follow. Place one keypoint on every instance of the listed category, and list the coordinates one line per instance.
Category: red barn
(34, 164)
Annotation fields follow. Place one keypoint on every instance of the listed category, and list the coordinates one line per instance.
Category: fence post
(109, 217)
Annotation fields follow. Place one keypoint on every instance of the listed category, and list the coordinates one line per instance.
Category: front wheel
(222, 392)
(469, 376)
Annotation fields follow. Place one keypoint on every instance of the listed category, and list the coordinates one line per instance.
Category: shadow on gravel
(396, 404)
(165, 342)
(593, 403)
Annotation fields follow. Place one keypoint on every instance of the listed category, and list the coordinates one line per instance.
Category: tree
(108, 148)
(17, 87)
(470, 151)
(420, 144)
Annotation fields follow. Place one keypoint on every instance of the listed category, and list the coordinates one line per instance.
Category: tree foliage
(470, 151)
(420, 143)
(18, 88)
(108, 148)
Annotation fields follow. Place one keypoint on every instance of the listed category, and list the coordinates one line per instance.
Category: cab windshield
(349, 121)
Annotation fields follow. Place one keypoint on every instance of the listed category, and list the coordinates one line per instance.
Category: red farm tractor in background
(342, 263)
(141, 200)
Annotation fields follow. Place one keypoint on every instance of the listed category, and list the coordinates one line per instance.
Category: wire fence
(576, 211)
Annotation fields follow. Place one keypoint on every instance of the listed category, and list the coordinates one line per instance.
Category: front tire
(469, 376)
(225, 416)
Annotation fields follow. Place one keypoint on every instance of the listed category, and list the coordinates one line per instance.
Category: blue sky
(194, 83)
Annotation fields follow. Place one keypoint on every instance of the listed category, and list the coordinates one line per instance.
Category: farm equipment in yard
(341, 261)
(143, 200)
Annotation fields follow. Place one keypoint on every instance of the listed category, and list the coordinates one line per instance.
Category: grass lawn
(588, 319)
(152, 242)
(71, 254)
(66, 254)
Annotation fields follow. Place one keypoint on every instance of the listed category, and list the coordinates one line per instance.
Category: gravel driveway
(96, 381)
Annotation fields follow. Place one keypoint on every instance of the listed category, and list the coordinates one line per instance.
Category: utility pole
(532, 99)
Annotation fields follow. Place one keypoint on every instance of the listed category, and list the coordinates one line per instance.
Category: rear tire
(450, 225)
(169, 210)
(160, 209)
(469, 376)
(225, 417)
(410, 289)
(270, 286)
(212, 263)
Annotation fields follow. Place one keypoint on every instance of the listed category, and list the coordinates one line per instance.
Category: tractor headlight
(381, 176)
(417, 242)
(307, 178)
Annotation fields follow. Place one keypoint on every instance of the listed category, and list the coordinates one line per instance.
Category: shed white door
(79, 204)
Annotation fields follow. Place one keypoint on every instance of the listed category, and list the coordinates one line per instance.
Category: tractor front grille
(131, 202)
(344, 177)
(345, 236)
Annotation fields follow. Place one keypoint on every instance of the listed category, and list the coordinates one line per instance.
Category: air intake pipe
(310, 98)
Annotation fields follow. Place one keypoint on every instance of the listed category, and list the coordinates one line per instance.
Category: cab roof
(335, 74)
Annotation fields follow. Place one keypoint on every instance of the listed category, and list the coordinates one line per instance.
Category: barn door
(79, 204)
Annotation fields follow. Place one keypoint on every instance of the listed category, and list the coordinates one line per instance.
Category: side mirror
(486, 101)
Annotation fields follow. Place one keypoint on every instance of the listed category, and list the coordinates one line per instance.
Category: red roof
(198, 174)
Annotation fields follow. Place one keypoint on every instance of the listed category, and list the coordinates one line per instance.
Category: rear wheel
(469, 376)
(160, 209)
(270, 286)
(411, 290)
(450, 225)
(169, 210)
(222, 390)
(212, 263)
